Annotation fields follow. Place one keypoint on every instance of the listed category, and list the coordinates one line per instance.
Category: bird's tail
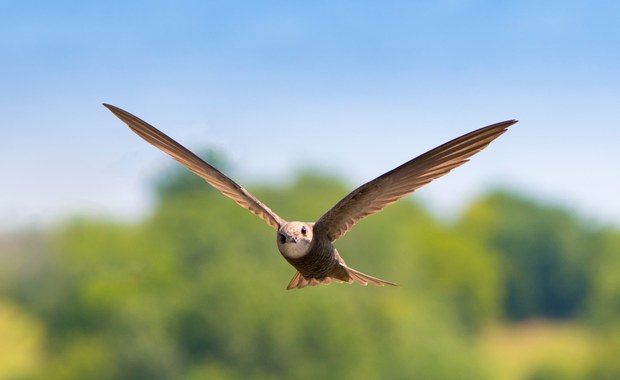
(364, 279)
(343, 274)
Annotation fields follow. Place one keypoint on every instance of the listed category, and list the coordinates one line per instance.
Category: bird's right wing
(188, 159)
(386, 189)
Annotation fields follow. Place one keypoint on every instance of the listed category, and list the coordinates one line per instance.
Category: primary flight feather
(308, 246)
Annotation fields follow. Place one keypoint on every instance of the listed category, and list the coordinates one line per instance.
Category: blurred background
(116, 262)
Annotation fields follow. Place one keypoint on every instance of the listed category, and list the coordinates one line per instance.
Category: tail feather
(298, 281)
(364, 279)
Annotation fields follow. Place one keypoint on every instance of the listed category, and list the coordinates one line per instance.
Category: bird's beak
(294, 239)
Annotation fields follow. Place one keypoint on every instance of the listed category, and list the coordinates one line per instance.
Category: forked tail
(343, 274)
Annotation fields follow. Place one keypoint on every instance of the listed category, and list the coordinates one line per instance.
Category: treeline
(196, 290)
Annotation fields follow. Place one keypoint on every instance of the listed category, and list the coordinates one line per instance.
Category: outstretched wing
(188, 159)
(381, 192)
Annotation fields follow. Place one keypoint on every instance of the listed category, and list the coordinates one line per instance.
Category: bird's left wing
(188, 159)
(381, 192)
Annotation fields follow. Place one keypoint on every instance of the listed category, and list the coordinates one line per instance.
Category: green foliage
(604, 302)
(545, 254)
(196, 290)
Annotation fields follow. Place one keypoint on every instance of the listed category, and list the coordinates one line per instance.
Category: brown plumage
(308, 246)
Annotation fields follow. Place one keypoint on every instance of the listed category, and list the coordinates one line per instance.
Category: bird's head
(294, 239)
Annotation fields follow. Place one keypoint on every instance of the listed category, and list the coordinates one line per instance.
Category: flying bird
(308, 246)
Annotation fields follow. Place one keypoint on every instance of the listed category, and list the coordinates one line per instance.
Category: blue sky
(352, 88)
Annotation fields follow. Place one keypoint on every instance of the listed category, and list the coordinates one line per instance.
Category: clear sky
(354, 88)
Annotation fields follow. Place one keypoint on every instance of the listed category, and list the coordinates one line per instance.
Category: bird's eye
(304, 231)
(282, 238)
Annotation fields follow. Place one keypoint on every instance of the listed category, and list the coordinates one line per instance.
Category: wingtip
(508, 122)
(109, 106)
(118, 112)
(511, 122)
(503, 125)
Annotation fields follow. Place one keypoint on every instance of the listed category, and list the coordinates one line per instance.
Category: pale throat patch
(295, 250)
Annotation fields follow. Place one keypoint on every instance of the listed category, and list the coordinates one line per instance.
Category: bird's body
(316, 259)
(309, 246)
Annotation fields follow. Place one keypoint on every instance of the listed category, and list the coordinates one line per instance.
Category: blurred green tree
(545, 254)
(603, 306)
(197, 291)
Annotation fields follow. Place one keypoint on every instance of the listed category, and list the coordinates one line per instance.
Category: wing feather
(388, 188)
(188, 159)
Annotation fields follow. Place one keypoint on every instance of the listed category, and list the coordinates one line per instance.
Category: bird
(309, 246)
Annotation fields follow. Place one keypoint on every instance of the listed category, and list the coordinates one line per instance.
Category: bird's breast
(317, 262)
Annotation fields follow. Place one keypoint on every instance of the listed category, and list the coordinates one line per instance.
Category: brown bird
(309, 246)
